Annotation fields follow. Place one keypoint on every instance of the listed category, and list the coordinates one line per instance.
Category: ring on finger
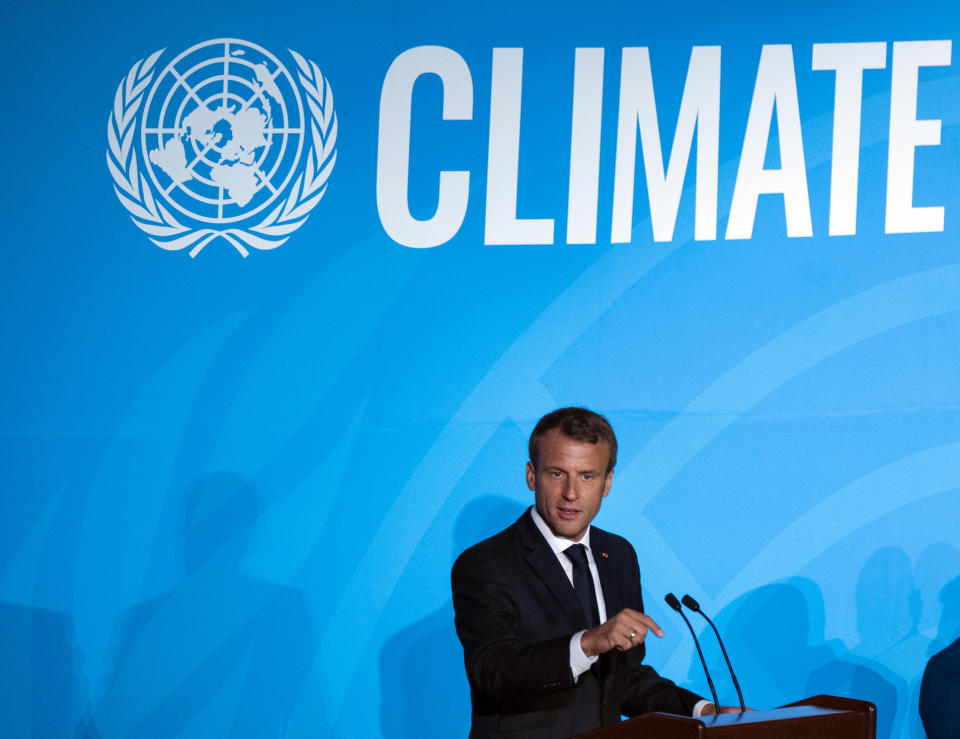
(633, 634)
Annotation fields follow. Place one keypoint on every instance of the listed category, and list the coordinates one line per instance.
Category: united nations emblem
(222, 143)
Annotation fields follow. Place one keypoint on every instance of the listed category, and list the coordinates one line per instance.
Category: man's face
(570, 482)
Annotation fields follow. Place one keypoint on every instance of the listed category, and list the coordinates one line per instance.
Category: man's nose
(570, 491)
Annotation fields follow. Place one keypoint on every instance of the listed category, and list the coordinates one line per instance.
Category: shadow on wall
(949, 628)
(41, 688)
(898, 605)
(221, 653)
(775, 637)
(423, 683)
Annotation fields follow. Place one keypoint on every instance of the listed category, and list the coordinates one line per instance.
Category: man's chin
(569, 529)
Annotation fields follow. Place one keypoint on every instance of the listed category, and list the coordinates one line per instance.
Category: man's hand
(624, 631)
(711, 710)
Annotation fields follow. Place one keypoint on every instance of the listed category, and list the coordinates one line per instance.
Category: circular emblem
(223, 142)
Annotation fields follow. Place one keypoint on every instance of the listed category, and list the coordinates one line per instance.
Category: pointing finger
(651, 624)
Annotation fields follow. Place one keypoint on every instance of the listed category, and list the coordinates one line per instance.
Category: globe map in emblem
(222, 131)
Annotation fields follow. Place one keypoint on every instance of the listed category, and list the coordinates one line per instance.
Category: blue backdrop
(234, 485)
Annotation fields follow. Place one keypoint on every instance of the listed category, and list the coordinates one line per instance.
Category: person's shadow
(41, 686)
(220, 654)
(422, 678)
(948, 630)
(896, 609)
(775, 638)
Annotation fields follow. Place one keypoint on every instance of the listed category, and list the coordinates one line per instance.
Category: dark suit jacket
(940, 694)
(515, 613)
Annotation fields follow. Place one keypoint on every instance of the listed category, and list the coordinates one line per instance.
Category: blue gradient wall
(233, 486)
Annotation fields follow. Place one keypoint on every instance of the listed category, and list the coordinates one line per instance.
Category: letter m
(700, 111)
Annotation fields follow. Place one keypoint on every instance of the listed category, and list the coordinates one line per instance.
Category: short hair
(580, 424)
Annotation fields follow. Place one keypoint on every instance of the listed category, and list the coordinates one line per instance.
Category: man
(553, 640)
(940, 692)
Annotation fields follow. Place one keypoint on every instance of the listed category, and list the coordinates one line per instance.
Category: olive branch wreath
(162, 226)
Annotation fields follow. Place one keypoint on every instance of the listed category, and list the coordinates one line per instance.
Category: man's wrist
(580, 661)
(698, 709)
(587, 644)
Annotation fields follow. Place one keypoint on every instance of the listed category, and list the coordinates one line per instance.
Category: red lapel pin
(604, 554)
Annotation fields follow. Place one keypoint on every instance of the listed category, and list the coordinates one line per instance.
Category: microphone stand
(675, 605)
(694, 606)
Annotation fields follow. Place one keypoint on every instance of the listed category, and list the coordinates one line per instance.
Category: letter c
(393, 146)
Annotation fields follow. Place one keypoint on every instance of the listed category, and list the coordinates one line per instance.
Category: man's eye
(556, 473)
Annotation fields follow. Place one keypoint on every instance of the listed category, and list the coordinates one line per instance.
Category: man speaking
(549, 610)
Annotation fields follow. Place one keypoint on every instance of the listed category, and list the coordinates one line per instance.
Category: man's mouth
(568, 513)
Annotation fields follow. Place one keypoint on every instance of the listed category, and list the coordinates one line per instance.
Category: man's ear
(607, 483)
(532, 477)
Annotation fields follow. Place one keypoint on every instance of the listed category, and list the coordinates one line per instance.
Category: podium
(819, 717)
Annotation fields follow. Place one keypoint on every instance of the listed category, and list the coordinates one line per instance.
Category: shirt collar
(557, 543)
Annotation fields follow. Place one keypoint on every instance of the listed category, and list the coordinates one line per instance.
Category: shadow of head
(483, 517)
(216, 521)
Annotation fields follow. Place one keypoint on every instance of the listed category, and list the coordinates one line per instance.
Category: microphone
(690, 603)
(675, 605)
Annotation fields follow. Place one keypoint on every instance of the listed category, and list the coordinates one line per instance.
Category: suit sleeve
(645, 690)
(939, 693)
(502, 664)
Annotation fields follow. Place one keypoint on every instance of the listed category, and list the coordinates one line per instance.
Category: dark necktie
(583, 583)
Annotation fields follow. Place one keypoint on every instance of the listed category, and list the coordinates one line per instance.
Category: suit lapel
(544, 562)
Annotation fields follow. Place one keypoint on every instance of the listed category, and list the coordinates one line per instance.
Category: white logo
(220, 145)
